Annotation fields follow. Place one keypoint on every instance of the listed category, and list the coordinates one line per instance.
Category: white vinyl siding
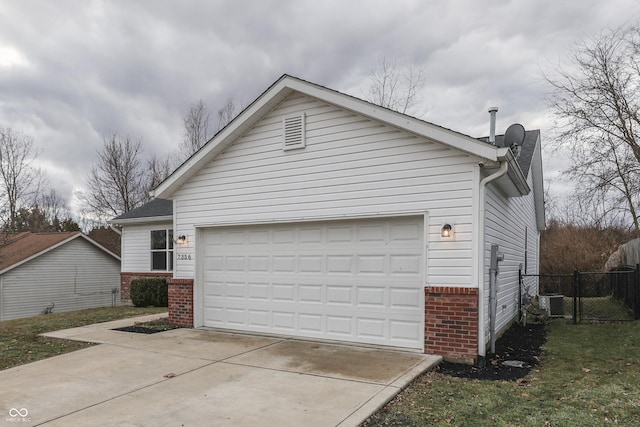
(74, 276)
(506, 221)
(136, 246)
(351, 167)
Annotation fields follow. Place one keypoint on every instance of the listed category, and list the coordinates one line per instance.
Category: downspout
(480, 251)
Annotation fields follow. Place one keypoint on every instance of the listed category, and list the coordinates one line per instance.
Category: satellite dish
(514, 135)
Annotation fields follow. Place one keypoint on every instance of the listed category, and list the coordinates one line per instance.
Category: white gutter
(480, 251)
(111, 226)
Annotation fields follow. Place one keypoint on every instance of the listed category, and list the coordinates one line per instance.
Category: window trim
(168, 250)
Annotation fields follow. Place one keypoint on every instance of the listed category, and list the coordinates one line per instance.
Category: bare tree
(19, 178)
(158, 169)
(226, 114)
(597, 104)
(196, 128)
(117, 182)
(55, 209)
(396, 88)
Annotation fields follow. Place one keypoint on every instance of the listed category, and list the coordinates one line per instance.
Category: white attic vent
(294, 132)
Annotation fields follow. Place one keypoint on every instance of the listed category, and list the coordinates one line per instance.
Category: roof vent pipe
(492, 124)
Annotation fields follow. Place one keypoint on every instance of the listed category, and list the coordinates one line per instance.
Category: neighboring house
(62, 271)
(316, 214)
(147, 243)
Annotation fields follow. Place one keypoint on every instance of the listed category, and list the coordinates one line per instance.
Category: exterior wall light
(447, 231)
(181, 240)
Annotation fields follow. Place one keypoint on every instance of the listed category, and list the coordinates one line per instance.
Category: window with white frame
(162, 250)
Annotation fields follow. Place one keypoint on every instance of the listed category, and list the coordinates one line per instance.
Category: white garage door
(358, 281)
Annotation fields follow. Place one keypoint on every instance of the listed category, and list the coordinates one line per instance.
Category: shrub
(152, 292)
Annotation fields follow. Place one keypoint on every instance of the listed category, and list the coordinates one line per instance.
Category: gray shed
(60, 271)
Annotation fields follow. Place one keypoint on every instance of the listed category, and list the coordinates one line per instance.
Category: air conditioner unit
(553, 304)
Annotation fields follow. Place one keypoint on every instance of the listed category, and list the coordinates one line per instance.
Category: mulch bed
(518, 343)
(138, 330)
(152, 327)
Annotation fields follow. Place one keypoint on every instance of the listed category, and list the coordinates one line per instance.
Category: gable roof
(18, 248)
(155, 210)
(286, 85)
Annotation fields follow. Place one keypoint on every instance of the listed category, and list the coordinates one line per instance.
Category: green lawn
(589, 376)
(20, 341)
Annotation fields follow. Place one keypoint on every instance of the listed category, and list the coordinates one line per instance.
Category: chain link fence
(587, 296)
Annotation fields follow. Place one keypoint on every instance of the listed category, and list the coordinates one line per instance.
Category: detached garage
(55, 272)
(319, 215)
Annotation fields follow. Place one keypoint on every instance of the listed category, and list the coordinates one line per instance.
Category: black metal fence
(587, 296)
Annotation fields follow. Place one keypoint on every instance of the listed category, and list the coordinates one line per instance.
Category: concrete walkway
(187, 377)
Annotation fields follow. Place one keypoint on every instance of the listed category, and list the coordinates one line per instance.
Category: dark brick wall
(181, 302)
(451, 323)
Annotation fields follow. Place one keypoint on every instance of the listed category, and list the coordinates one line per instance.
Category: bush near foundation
(150, 292)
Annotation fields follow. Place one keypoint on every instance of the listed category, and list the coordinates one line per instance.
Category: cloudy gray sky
(73, 71)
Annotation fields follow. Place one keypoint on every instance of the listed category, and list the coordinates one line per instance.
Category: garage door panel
(405, 232)
(373, 233)
(234, 238)
(405, 264)
(214, 289)
(339, 326)
(311, 294)
(311, 323)
(258, 291)
(258, 237)
(340, 264)
(283, 264)
(339, 295)
(371, 328)
(259, 263)
(371, 297)
(259, 318)
(351, 280)
(284, 235)
(372, 264)
(284, 321)
(404, 330)
(313, 264)
(284, 292)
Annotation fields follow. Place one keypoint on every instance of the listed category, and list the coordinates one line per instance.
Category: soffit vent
(294, 132)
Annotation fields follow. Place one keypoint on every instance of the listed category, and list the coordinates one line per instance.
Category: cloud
(72, 72)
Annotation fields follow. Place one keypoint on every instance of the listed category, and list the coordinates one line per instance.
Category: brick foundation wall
(126, 278)
(181, 302)
(451, 323)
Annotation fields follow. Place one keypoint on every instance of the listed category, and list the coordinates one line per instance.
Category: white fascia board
(514, 172)
(141, 220)
(247, 118)
(286, 85)
(418, 127)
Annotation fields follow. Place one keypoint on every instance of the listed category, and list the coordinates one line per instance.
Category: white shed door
(359, 281)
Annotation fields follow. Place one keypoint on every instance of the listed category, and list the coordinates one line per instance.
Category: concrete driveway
(189, 377)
